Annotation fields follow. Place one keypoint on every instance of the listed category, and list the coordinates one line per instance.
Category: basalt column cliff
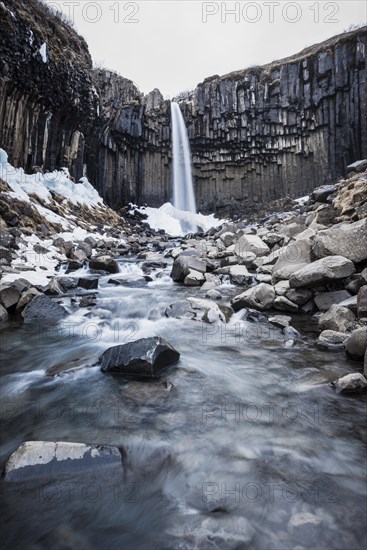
(256, 134)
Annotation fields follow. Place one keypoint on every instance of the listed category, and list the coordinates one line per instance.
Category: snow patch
(43, 52)
(169, 218)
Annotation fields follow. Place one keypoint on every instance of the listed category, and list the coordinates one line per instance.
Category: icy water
(242, 444)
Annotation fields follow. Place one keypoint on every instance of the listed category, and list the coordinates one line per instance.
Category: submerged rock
(43, 308)
(144, 358)
(34, 459)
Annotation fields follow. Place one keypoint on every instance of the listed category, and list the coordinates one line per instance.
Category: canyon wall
(256, 135)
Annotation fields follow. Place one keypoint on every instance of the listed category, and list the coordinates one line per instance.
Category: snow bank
(169, 218)
(59, 181)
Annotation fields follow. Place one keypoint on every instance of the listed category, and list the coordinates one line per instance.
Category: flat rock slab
(35, 459)
(144, 358)
(348, 240)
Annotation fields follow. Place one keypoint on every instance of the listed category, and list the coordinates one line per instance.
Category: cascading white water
(183, 189)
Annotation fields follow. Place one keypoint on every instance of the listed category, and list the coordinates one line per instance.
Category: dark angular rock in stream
(104, 263)
(88, 301)
(9, 296)
(43, 309)
(3, 314)
(144, 358)
(88, 284)
(40, 459)
(362, 302)
(184, 264)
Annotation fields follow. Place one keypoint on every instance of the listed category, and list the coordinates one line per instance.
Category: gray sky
(173, 44)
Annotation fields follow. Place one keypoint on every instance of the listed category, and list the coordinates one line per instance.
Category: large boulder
(292, 257)
(194, 278)
(251, 243)
(35, 459)
(43, 309)
(104, 263)
(356, 344)
(348, 240)
(144, 358)
(259, 297)
(325, 270)
(3, 314)
(337, 318)
(184, 264)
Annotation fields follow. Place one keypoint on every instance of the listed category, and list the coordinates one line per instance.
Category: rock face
(259, 297)
(144, 358)
(34, 459)
(252, 132)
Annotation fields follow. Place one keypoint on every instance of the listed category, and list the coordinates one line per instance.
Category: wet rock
(104, 263)
(7, 240)
(305, 526)
(42, 308)
(21, 284)
(337, 318)
(68, 283)
(324, 300)
(26, 297)
(362, 302)
(9, 296)
(148, 266)
(3, 314)
(194, 278)
(283, 304)
(85, 247)
(239, 275)
(183, 264)
(259, 297)
(351, 383)
(348, 240)
(144, 358)
(88, 301)
(251, 243)
(53, 288)
(228, 238)
(280, 321)
(331, 340)
(325, 270)
(74, 265)
(79, 255)
(91, 241)
(198, 309)
(133, 283)
(299, 296)
(87, 283)
(292, 257)
(6, 256)
(35, 459)
(356, 344)
(213, 294)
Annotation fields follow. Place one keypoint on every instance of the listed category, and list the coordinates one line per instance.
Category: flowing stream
(242, 444)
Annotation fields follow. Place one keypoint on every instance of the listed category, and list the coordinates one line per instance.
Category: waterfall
(183, 189)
